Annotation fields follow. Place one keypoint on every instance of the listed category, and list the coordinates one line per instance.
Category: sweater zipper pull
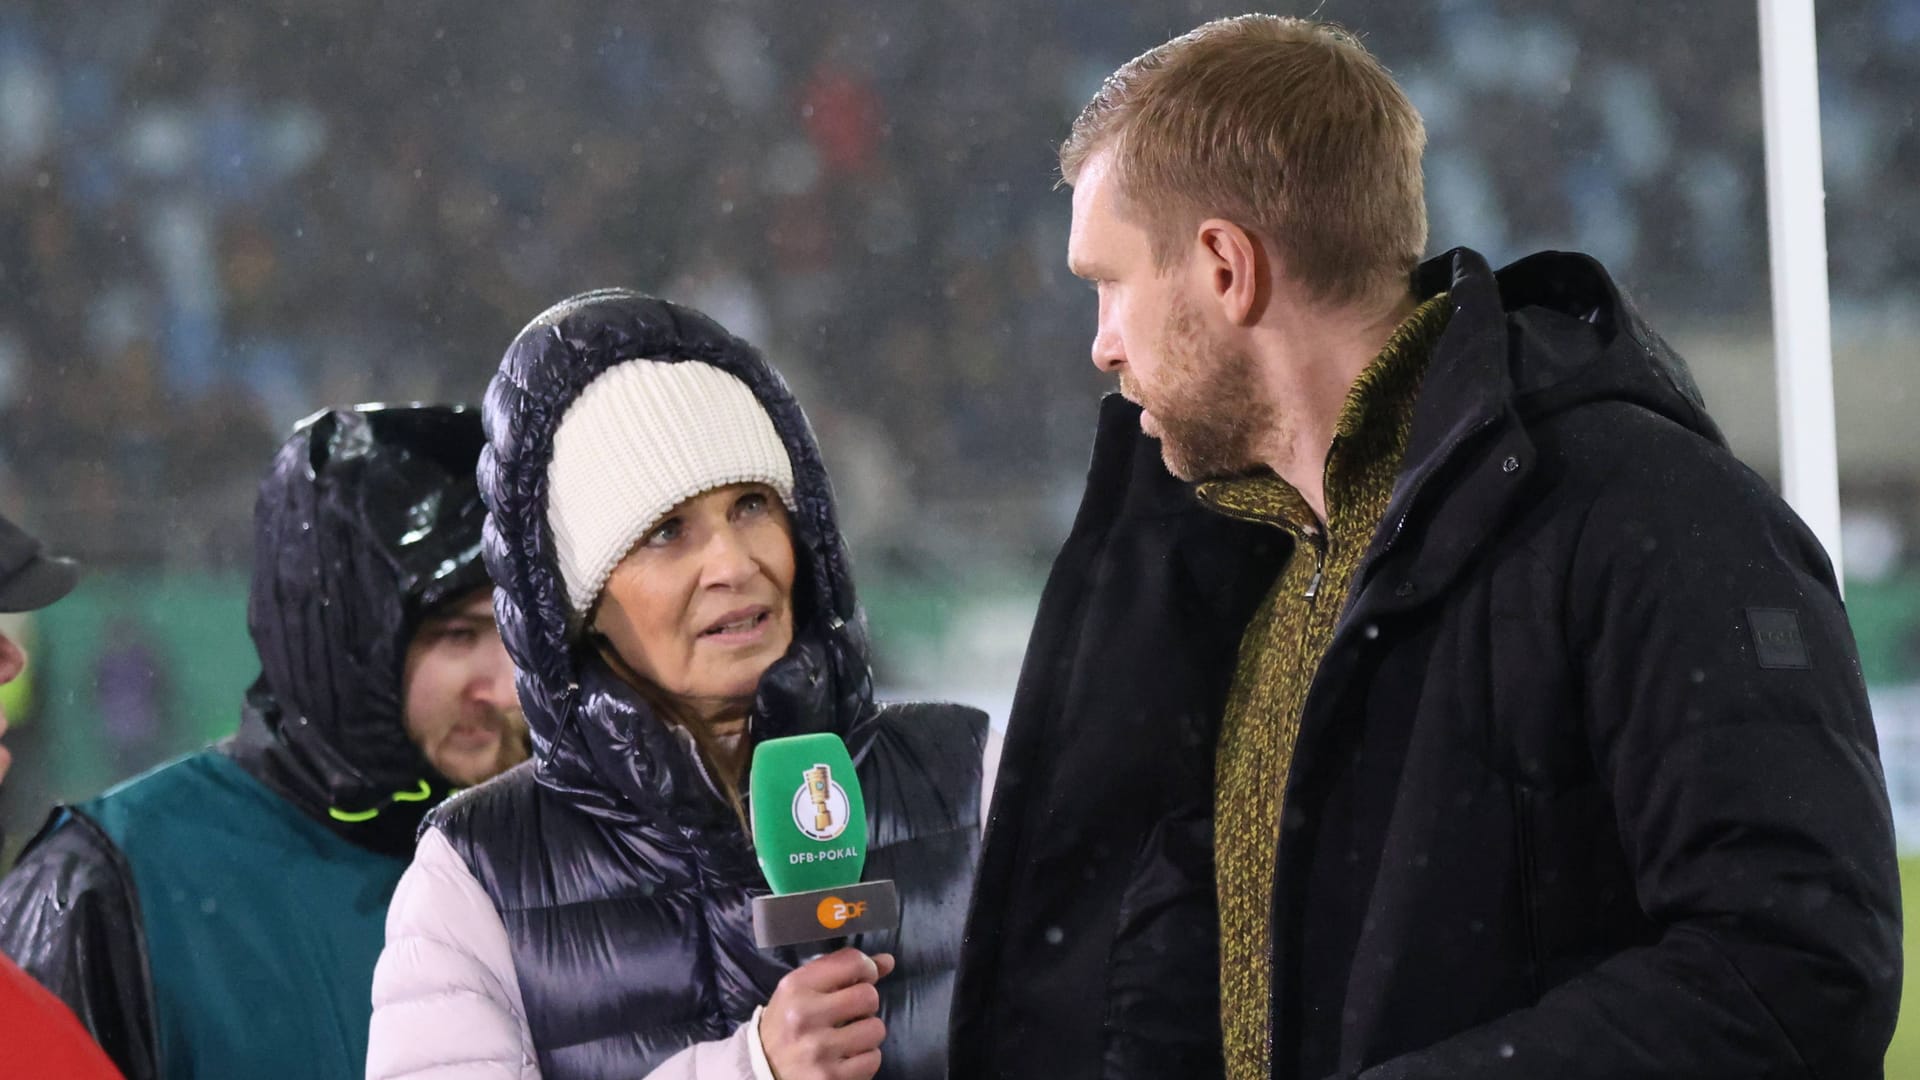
(1319, 566)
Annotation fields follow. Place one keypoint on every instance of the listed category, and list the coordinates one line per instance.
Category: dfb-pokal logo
(820, 806)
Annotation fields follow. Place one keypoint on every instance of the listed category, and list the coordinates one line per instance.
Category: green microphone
(810, 834)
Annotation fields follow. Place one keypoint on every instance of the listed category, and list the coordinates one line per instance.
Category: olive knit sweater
(1279, 653)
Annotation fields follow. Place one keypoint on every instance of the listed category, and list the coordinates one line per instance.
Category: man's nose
(494, 684)
(1108, 354)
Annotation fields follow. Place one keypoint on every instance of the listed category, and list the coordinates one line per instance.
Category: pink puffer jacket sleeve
(446, 1002)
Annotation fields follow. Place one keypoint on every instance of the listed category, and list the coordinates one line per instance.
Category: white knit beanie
(642, 438)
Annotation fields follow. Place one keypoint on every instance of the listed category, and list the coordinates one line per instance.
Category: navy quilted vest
(632, 942)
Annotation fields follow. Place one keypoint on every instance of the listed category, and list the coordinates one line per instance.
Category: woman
(672, 586)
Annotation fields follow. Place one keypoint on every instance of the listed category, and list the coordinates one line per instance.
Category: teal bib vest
(262, 927)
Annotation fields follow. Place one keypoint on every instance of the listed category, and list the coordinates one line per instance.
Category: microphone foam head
(809, 817)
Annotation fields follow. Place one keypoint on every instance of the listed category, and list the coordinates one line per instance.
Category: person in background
(221, 915)
(674, 590)
(42, 1036)
(1424, 690)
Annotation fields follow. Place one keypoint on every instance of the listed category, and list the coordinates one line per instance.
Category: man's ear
(1238, 274)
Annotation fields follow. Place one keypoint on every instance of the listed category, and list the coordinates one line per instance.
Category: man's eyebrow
(456, 618)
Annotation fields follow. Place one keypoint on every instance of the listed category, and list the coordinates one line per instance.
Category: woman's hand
(823, 1021)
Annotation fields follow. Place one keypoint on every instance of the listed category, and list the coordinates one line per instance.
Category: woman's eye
(753, 502)
(663, 534)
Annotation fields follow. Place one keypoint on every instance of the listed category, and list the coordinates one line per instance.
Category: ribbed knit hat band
(642, 438)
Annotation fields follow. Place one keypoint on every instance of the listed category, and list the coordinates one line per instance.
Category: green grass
(1903, 1057)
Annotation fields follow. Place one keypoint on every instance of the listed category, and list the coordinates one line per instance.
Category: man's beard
(516, 740)
(1209, 405)
(514, 747)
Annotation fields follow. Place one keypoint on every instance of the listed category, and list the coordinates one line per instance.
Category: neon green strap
(355, 817)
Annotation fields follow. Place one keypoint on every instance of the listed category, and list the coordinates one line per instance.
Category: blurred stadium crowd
(216, 217)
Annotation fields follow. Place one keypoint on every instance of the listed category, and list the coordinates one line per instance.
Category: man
(1524, 721)
(43, 1038)
(221, 915)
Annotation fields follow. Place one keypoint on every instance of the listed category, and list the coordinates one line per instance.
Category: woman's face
(703, 604)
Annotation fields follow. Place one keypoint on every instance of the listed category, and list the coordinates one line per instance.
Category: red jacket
(43, 1038)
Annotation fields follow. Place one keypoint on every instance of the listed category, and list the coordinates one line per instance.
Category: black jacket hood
(369, 519)
(1542, 334)
(1548, 333)
(595, 739)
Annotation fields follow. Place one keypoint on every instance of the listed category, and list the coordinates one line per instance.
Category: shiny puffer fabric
(369, 518)
(622, 876)
(631, 943)
(593, 739)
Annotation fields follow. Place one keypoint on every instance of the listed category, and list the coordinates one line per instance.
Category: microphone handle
(825, 915)
(813, 950)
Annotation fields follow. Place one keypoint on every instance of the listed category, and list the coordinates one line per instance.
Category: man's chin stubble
(1196, 464)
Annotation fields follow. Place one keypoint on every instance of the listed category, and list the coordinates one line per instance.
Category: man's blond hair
(1286, 127)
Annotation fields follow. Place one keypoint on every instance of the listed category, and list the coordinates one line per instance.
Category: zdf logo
(834, 912)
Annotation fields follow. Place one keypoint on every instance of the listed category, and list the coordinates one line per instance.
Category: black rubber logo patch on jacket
(1776, 638)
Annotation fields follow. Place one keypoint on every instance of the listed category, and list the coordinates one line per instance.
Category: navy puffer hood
(596, 740)
(369, 518)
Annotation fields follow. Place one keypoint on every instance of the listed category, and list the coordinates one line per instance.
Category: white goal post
(1797, 250)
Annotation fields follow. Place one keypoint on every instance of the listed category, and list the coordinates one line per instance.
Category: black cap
(30, 578)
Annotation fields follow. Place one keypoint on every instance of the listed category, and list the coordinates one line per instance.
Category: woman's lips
(744, 629)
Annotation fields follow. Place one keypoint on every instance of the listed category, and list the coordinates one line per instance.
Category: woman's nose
(729, 561)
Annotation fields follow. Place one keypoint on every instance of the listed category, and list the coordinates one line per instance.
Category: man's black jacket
(1586, 785)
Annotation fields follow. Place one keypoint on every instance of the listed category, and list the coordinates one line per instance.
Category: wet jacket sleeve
(70, 919)
(737, 1057)
(989, 769)
(1726, 714)
(446, 1001)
